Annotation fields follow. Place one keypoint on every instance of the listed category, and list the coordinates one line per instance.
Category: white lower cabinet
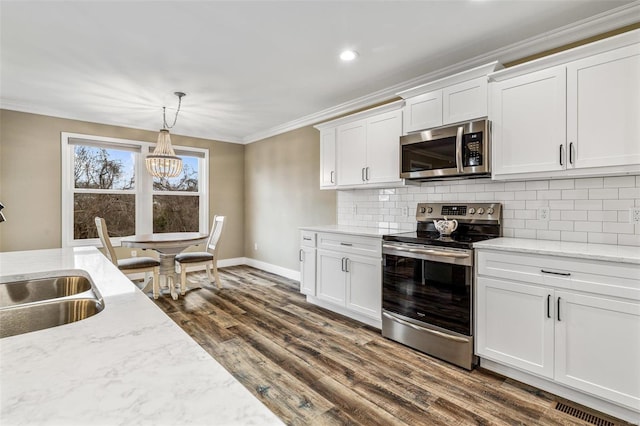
(572, 321)
(349, 276)
(307, 258)
(513, 325)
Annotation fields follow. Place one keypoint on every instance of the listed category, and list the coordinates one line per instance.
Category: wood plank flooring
(311, 366)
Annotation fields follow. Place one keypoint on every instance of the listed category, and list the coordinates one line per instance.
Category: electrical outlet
(355, 209)
(134, 253)
(634, 215)
(255, 246)
(405, 211)
(544, 213)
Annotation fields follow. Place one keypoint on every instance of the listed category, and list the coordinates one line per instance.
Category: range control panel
(459, 211)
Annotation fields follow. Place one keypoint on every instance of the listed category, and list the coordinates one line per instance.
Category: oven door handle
(428, 251)
(428, 330)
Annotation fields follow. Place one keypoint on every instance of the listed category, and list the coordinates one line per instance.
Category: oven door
(432, 285)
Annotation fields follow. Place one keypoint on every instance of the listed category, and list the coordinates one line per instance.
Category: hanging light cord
(175, 119)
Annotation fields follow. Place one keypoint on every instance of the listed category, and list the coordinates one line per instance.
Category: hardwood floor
(311, 366)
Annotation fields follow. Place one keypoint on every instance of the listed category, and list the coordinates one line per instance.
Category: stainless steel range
(427, 291)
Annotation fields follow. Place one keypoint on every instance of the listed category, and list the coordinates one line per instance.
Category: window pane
(176, 213)
(119, 211)
(103, 168)
(187, 181)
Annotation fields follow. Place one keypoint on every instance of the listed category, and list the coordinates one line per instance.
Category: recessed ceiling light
(348, 55)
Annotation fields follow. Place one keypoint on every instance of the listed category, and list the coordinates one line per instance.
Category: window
(107, 177)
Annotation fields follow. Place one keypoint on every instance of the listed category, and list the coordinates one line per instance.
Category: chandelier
(163, 162)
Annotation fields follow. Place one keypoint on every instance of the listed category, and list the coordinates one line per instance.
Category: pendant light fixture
(163, 162)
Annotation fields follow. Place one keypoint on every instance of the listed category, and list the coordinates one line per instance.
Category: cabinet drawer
(307, 238)
(365, 246)
(587, 275)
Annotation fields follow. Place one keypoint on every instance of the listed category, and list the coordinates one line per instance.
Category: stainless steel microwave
(461, 150)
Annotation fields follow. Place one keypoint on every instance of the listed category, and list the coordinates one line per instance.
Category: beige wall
(282, 181)
(30, 179)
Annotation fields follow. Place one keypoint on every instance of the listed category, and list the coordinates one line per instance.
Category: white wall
(594, 210)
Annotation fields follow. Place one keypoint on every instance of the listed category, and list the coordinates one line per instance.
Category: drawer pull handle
(346, 244)
(427, 330)
(306, 238)
(564, 274)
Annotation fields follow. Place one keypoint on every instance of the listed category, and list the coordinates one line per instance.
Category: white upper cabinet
(352, 152)
(383, 147)
(328, 177)
(603, 115)
(460, 97)
(571, 114)
(465, 101)
(367, 148)
(529, 123)
(423, 111)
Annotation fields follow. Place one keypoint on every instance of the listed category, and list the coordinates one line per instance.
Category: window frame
(143, 188)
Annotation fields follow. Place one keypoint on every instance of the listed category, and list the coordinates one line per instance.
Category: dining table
(168, 245)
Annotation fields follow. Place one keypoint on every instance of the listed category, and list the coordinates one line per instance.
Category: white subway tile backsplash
(578, 237)
(589, 183)
(594, 210)
(562, 184)
(619, 181)
(603, 194)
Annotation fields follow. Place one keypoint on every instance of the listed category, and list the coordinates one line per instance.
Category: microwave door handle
(459, 164)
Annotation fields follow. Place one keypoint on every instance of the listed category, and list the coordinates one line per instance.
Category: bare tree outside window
(109, 174)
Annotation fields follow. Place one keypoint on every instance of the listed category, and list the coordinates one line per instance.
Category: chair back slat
(103, 233)
(216, 231)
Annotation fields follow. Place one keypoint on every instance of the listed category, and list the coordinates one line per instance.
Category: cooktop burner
(476, 222)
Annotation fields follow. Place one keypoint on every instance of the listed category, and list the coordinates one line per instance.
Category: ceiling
(250, 69)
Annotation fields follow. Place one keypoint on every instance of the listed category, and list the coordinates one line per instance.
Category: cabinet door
(528, 116)
(331, 279)
(364, 286)
(603, 106)
(515, 325)
(383, 147)
(423, 111)
(308, 270)
(328, 158)
(598, 346)
(464, 101)
(352, 151)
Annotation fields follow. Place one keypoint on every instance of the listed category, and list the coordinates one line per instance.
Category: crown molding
(580, 30)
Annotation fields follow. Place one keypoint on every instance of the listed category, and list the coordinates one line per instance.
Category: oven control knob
(472, 210)
(429, 209)
(422, 210)
(490, 210)
(480, 210)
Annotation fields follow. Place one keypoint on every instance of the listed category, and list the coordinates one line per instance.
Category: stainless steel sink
(36, 289)
(36, 302)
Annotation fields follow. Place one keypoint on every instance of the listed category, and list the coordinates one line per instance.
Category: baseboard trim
(274, 269)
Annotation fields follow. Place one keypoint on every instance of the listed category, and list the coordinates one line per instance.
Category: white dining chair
(132, 264)
(209, 258)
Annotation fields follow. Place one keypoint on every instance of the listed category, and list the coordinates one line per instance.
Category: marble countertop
(129, 364)
(354, 230)
(605, 252)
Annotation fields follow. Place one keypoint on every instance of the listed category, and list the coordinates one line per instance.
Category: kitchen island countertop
(129, 364)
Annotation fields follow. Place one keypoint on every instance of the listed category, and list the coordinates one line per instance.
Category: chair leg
(156, 283)
(183, 279)
(206, 267)
(215, 272)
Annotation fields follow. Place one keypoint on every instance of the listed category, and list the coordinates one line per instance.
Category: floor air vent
(583, 415)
